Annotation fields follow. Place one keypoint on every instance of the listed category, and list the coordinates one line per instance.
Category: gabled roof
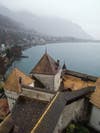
(46, 65)
(12, 83)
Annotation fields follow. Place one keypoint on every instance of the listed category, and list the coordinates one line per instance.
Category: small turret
(58, 62)
(64, 67)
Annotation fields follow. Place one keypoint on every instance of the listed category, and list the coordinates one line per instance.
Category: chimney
(20, 80)
(58, 63)
(64, 67)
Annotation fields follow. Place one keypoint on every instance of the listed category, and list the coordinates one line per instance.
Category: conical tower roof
(12, 83)
(46, 65)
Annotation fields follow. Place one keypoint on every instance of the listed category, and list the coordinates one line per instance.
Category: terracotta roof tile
(75, 83)
(12, 83)
(46, 65)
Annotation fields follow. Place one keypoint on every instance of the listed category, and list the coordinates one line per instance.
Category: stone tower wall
(11, 97)
(57, 80)
(47, 80)
(70, 112)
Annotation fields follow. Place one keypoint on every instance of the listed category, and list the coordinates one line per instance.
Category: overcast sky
(83, 12)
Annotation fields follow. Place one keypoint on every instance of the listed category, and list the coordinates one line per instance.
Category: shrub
(76, 128)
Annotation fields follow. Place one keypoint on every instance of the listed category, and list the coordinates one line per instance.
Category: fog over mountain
(82, 12)
(5, 20)
(52, 26)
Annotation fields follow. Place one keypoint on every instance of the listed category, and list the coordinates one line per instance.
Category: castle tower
(48, 71)
(13, 83)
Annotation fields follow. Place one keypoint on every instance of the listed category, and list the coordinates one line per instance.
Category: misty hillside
(5, 11)
(8, 24)
(46, 25)
(52, 26)
(8, 20)
(11, 32)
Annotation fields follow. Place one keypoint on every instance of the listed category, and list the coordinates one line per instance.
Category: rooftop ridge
(46, 65)
(50, 61)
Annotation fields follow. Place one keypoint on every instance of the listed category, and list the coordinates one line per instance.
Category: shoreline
(30, 46)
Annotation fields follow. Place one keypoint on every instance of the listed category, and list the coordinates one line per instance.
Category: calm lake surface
(81, 57)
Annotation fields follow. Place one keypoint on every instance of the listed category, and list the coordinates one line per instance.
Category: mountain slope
(11, 32)
(8, 24)
(51, 26)
(47, 25)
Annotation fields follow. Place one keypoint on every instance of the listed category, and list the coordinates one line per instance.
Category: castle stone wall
(47, 80)
(37, 94)
(95, 118)
(57, 80)
(69, 113)
(11, 97)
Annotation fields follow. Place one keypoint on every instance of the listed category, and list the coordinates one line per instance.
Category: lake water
(81, 57)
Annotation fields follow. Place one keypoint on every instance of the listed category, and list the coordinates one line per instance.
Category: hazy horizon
(85, 13)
